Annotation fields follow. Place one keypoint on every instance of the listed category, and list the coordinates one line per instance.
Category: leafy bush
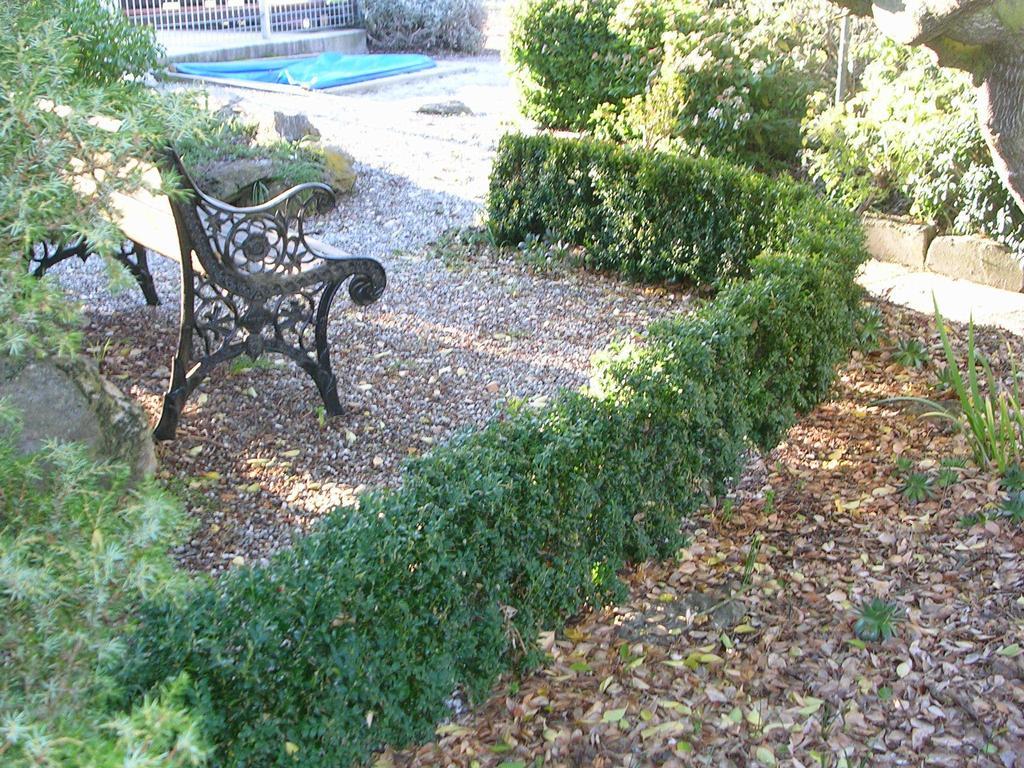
(105, 46)
(807, 32)
(726, 79)
(425, 25)
(78, 550)
(722, 90)
(572, 56)
(358, 635)
(909, 142)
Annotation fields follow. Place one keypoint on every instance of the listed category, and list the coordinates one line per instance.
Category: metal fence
(229, 18)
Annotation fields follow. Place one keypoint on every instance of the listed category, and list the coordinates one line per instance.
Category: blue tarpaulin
(315, 72)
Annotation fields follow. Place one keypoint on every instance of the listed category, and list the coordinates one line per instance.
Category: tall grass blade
(993, 416)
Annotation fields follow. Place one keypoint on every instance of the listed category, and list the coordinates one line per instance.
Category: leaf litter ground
(741, 651)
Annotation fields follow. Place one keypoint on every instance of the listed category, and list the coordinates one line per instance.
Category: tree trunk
(1001, 112)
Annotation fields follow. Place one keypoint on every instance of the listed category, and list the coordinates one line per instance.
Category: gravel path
(460, 329)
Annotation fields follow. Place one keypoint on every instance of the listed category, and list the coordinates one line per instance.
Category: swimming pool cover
(314, 72)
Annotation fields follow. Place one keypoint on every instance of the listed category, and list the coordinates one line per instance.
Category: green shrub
(105, 45)
(78, 551)
(652, 215)
(424, 25)
(723, 79)
(721, 91)
(357, 636)
(909, 143)
(572, 56)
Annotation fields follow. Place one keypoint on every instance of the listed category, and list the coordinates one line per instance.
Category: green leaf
(811, 706)
(613, 715)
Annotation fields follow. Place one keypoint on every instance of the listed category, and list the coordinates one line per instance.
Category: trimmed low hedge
(653, 215)
(358, 635)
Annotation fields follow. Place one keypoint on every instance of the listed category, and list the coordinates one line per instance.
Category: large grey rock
(341, 172)
(896, 240)
(445, 109)
(294, 127)
(68, 401)
(232, 180)
(977, 259)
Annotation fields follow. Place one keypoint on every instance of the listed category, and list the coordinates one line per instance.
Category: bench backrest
(148, 218)
(235, 246)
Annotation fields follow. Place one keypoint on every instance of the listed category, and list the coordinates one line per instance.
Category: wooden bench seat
(252, 281)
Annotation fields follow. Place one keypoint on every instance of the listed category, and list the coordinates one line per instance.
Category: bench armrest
(321, 193)
(267, 238)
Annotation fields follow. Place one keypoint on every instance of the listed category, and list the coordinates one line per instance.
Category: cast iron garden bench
(252, 281)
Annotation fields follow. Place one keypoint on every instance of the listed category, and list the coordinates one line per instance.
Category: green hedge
(653, 215)
(356, 637)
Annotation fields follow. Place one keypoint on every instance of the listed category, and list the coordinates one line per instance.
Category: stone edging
(920, 247)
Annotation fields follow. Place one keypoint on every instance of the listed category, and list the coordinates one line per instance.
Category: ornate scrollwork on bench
(252, 281)
(261, 286)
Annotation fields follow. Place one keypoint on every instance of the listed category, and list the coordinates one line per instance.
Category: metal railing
(230, 17)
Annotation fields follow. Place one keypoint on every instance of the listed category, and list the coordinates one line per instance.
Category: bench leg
(210, 318)
(225, 326)
(51, 255)
(179, 387)
(133, 257)
(320, 371)
(181, 384)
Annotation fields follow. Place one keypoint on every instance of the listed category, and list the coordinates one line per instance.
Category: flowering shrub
(425, 25)
(909, 143)
(721, 90)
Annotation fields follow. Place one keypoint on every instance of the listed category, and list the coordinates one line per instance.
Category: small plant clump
(870, 329)
(917, 487)
(949, 472)
(944, 379)
(992, 414)
(910, 353)
(877, 620)
(544, 254)
(972, 519)
(1013, 479)
(1012, 508)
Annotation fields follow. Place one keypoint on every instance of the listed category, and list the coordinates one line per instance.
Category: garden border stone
(978, 259)
(897, 240)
